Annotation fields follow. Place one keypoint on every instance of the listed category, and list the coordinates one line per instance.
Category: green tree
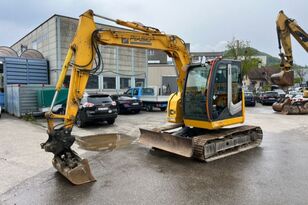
(300, 73)
(241, 50)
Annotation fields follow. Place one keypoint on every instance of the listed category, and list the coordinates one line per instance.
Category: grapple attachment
(283, 78)
(80, 174)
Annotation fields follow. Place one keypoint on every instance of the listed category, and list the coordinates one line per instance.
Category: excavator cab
(213, 94)
(212, 98)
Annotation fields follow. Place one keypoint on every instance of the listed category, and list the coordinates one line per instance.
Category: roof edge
(62, 16)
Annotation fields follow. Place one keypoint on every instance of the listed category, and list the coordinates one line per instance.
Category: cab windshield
(195, 92)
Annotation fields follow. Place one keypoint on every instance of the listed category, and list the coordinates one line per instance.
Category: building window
(109, 83)
(34, 45)
(151, 52)
(92, 82)
(125, 83)
(140, 82)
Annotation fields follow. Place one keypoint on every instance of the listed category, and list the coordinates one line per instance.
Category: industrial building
(123, 67)
(162, 72)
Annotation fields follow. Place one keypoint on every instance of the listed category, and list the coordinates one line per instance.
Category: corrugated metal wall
(25, 71)
(2, 99)
(22, 99)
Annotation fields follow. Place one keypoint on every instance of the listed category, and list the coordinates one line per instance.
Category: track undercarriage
(205, 145)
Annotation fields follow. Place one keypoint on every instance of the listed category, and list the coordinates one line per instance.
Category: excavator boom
(285, 28)
(80, 56)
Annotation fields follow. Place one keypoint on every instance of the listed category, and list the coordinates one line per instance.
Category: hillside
(271, 60)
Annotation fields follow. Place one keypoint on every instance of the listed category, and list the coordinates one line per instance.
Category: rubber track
(200, 141)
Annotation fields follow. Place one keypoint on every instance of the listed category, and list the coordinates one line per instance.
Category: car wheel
(118, 110)
(163, 109)
(149, 108)
(111, 121)
(137, 111)
(79, 122)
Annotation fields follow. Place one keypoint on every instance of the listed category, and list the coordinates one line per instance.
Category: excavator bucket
(279, 105)
(78, 175)
(164, 141)
(283, 78)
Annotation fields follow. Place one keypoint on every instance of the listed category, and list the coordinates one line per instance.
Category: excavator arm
(81, 55)
(285, 28)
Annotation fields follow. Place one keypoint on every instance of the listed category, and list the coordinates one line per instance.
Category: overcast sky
(206, 25)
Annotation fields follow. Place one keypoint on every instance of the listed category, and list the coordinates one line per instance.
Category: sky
(206, 25)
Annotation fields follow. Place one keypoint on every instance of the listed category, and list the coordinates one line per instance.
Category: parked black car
(98, 107)
(127, 104)
(249, 99)
(269, 97)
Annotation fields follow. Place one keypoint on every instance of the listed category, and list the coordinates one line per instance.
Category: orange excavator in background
(209, 98)
(285, 28)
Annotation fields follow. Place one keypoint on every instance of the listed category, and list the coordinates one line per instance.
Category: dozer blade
(283, 78)
(164, 141)
(78, 175)
(202, 144)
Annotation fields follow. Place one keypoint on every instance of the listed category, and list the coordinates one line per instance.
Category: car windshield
(99, 99)
(147, 91)
(275, 94)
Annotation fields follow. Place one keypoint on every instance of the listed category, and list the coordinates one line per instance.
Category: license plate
(135, 103)
(102, 108)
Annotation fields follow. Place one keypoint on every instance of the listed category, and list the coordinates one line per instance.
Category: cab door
(225, 100)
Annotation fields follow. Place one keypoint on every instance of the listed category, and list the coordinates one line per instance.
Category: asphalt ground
(274, 173)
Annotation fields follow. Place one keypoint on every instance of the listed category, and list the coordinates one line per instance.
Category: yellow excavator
(209, 98)
(285, 28)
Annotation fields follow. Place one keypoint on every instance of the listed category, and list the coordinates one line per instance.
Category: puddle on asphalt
(103, 142)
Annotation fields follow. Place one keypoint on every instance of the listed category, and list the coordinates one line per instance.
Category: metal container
(2, 100)
(22, 99)
(24, 71)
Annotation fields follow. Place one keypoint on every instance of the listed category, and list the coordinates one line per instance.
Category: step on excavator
(285, 28)
(208, 99)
